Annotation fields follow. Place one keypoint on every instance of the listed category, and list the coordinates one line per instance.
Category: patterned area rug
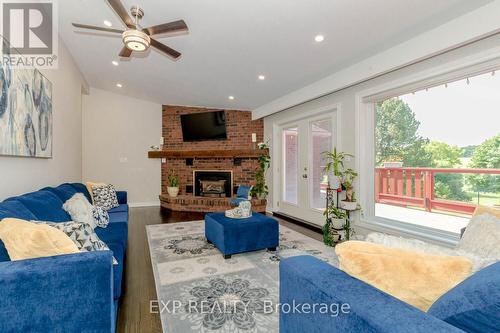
(199, 291)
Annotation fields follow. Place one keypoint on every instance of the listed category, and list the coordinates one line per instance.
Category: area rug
(199, 291)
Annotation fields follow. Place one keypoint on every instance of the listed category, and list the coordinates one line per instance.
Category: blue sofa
(472, 306)
(68, 293)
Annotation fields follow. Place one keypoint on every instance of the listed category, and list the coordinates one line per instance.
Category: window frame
(365, 141)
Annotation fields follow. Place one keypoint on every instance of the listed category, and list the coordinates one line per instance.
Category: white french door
(302, 179)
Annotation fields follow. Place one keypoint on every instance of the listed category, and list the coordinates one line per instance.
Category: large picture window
(437, 153)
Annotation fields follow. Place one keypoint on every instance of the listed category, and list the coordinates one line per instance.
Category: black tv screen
(204, 126)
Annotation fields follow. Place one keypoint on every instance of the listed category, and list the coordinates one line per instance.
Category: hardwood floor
(139, 286)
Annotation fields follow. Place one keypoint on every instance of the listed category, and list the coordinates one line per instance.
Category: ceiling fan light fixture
(136, 40)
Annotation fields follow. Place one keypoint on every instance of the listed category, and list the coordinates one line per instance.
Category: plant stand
(332, 236)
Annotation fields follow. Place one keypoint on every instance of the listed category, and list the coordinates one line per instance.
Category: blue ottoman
(232, 236)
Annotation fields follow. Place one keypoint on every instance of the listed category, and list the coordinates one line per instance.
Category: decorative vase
(335, 237)
(343, 235)
(338, 223)
(173, 191)
(349, 205)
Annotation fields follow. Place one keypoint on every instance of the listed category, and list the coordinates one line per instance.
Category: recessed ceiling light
(107, 23)
(115, 63)
(119, 85)
(262, 77)
(231, 97)
(319, 38)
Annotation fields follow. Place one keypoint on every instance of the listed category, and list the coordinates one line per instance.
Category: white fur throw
(482, 237)
(80, 209)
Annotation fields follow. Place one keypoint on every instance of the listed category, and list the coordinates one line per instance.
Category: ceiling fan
(135, 37)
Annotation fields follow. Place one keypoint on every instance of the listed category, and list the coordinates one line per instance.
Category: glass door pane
(290, 164)
(320, 140)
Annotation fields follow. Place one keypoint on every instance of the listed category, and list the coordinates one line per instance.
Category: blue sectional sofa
(68, 293)
(472, 306)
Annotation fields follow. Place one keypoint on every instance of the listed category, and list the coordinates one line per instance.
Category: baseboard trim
(298, 221)
(144, 204)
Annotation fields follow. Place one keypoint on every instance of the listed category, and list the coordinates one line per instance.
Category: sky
(462, 114)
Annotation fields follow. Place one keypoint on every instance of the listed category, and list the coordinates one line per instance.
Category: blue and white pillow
(105, 196)
(82, 234)
(101, 217)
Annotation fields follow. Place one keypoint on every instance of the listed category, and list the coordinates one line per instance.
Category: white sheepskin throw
(408, 244)
(80, 209)
(482, 237)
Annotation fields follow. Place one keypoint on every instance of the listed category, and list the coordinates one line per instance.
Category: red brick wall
(239, 132)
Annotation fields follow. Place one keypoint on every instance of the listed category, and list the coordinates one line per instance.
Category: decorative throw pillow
(80, 209)
(482, 237)
(101, 217)
(89, 186)
(413, 277)
(26, 240)
(105, 196)
(480, 210)
(82, 235)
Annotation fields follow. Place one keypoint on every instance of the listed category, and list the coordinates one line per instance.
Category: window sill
(398, 228)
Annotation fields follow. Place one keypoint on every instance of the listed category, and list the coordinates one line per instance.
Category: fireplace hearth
(213, 183)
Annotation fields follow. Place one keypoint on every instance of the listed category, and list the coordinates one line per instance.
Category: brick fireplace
(235, 157)
(213, 183)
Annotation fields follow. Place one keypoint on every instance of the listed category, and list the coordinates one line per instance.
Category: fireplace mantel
(237, 153)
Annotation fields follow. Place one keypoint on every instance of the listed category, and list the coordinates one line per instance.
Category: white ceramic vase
(173, 191)
(349, 205)
(338, 223)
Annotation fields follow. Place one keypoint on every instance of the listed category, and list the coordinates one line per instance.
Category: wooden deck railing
(415, 187)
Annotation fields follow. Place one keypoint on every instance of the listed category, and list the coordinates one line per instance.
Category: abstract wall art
(25, 112)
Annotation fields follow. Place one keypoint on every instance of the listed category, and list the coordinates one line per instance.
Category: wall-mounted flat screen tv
(204, 126)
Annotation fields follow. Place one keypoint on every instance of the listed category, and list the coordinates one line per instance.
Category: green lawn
(485, 199)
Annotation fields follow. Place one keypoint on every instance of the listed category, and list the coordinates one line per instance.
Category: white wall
(117, 133)
(20, 174)
(346, 100)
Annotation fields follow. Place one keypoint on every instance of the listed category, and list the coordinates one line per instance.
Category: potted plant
(337, 216)
(173, 184)
(335, 166)
(330, 237)
(349, 203)
(260, 189)
(335, 222)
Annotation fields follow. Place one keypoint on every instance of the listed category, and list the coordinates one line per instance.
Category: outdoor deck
(421, 217)
(408, 195)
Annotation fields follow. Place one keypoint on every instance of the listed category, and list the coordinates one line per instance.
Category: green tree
(443, 155)
(447, 185)
(468, 150)
(486, 156)
(397, 137)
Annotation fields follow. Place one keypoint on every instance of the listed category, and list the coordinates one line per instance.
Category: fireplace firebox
(213, 183)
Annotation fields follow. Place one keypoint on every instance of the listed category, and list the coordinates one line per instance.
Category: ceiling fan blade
(125, 52)
(91, 27)
(165, 49)
(176, 26)
(122, 12)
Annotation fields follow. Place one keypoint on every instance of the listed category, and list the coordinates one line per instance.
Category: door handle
(304, 176)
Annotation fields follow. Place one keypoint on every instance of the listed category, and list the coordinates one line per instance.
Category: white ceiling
(231, 42)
